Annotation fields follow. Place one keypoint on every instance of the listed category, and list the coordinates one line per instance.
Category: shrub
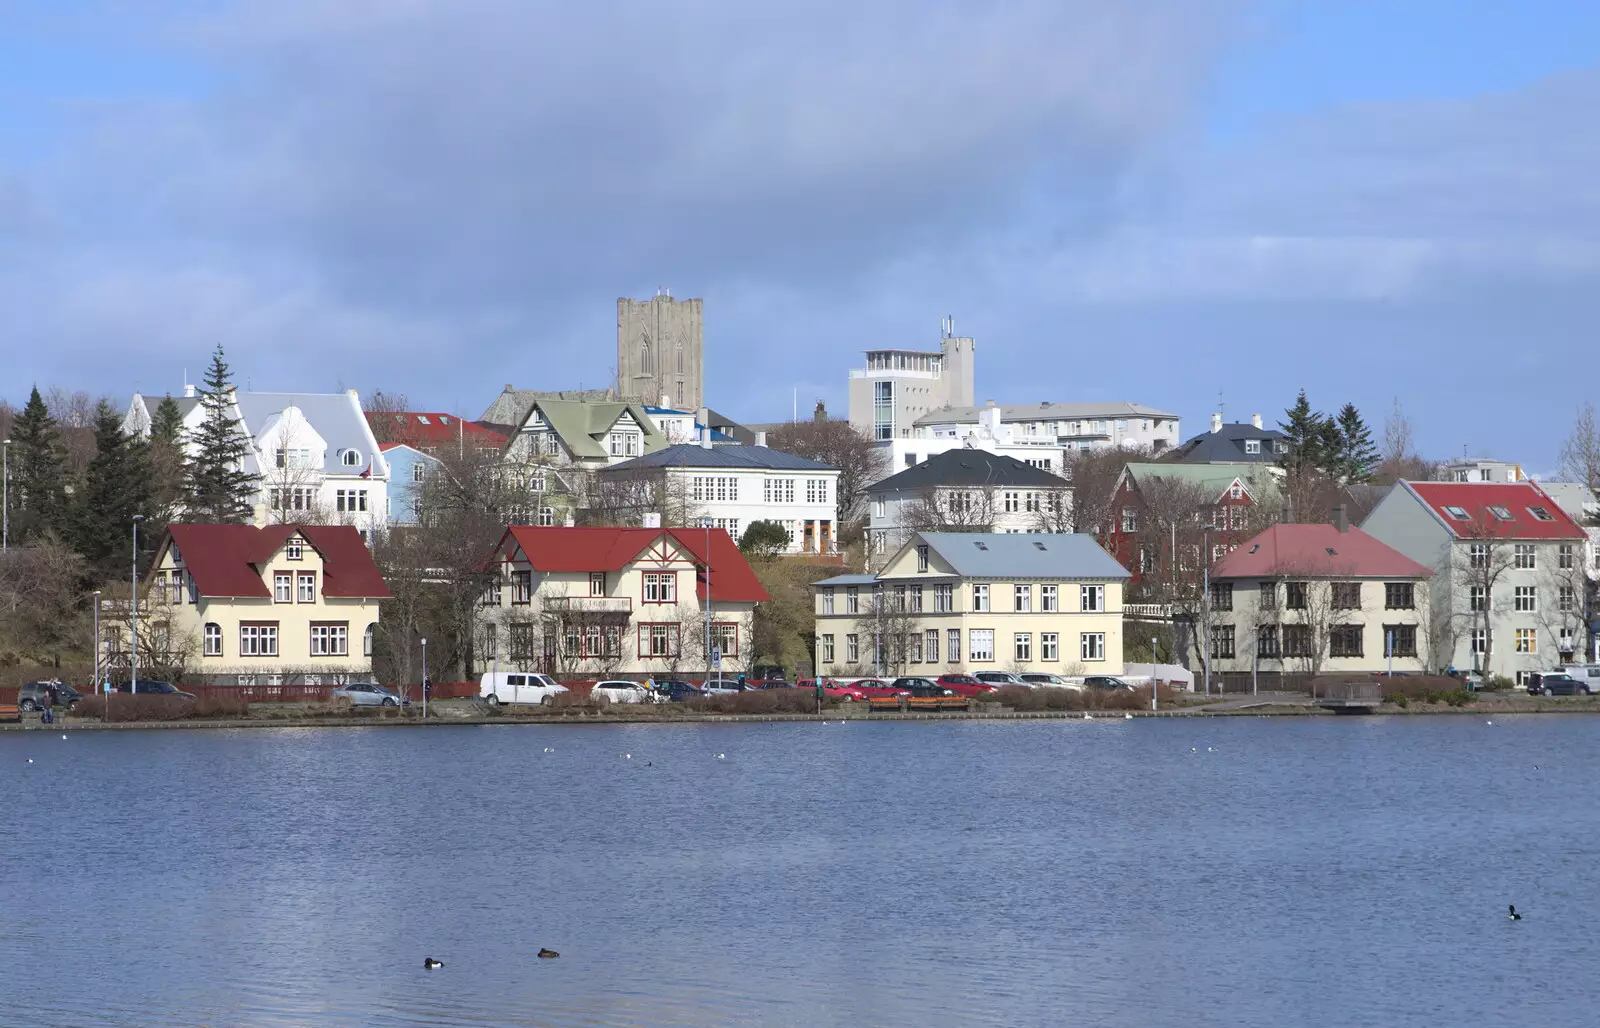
(126, 708)
(1020, 697)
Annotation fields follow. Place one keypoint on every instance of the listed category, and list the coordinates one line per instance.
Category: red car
(965, 685)
(833, 690)
(875, 688)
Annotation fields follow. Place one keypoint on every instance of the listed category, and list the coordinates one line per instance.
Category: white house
(1057, 426)
(736, 485)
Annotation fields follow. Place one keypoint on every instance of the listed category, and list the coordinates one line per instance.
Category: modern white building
(1058, 426)
(1479, 469)
(736, 485)
(899, 386)
(314, 455)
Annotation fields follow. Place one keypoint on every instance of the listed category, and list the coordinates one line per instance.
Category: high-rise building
(899, 386)
(660, 351)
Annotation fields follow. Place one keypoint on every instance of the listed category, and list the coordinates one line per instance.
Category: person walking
(49, 702)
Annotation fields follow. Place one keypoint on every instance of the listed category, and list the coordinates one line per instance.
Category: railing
(1352, 693)
(590, 604)
(1148, 611)
(892, 373)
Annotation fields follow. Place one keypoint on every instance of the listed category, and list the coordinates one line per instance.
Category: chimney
(705, 427)
(188, 390)
(989, 420)
(761, 438)
(666, 401)
(1216, 423)
(510, 388)
(1255, 419)
(1341, 520)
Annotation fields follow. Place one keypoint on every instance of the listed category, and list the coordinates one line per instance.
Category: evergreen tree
(166, 461)
(218, 486)
(37, 473)
(1357, 456)
(116, 487)
(1309, 435)
(167, 425)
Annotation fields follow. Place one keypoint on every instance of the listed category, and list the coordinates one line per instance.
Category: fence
(1266, 681)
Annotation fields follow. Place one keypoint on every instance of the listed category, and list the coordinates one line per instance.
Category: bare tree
(385, 429)
(888, 628)
(624, 497)
(292, 487)
(1095, 474)
(39, 599)
(1580, 453)
(1400, 461)
(1481, 560)
(861, 463)
(1561, 602)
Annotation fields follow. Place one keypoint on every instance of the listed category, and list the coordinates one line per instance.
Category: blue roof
(1024, 555)
(693, 455)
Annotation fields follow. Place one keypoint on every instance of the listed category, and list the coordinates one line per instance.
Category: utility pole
(133, 648)
(1205, 604)
(5, 494)
(94, 682)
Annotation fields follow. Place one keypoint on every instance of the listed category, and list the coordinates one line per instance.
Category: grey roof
(722, 455)
(1023, 555)
(511, 407)
(336, 417)
(1226, 447)
(1046, 411)
(848, 580)
(969, 467)
(1577, 499)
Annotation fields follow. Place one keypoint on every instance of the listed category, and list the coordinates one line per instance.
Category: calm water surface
(1224, 872)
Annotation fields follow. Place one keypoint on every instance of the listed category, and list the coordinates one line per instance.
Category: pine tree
(166, 461)
(37, 473)
(1357, 455)
(116, 487)
(1309, 435)
(218, 486)
(167, 425)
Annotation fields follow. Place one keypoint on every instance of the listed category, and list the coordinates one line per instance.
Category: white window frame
(827, 648)
(1022, 646)
(1049, 646)
(213, 639)
(980, 645)
(282, 587)
(1022, 599)
(1049, 599)
(980, 597)
(1092, 645)
(1092, 598)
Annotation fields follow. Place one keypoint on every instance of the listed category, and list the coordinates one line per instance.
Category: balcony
(589, 604)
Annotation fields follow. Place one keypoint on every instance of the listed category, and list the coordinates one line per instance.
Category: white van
(1587, 675)
(499, 687)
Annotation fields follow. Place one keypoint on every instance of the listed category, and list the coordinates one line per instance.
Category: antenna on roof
(948, 326)
(1222, 408)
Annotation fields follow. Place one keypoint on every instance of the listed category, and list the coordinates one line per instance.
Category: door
(515, 687)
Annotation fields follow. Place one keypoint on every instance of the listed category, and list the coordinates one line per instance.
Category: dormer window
(350, 459)
(294, 549)
(1459, 513)
(1252, 446)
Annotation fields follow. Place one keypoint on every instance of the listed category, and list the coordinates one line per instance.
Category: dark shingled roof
(1226, 446)
(963, 467)
(691, 455)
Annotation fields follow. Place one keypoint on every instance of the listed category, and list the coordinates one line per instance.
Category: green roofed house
(586, 434)
(1193, 507)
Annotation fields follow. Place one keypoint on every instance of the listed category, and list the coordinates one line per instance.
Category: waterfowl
(1127, 717)
(1511, 911)
(549, 749)
(30, 760)
(722, 756)
(548, 954)
(428, 963)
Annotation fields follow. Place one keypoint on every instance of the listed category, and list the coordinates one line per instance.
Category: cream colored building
(949, 602)
(586, 603)
(281, 605)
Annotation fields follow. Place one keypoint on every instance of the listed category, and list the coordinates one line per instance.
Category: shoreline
(1249, 708)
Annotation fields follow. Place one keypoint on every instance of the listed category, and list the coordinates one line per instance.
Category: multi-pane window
(330, 640)
(1022, 646)
(1221, 595)
(1022, 598)
(350, 501)
(827, 599)
(1221, 642)
(1526, 640)
(1297, 640)
(661, 587)
(306, 587)
(1092, 645)
(1401, 640)
(418, 472)
(883, 410)
(298, 498)
(914, 647)
(1524, 559)
(900, 597)
(980, 597)
(930, 645)
(777, 490)
(1478, 555)
(953, 648)
(1267, 641)
(816, 490)
(1130, 519)
(944, 599)
(852, 648)
(597, 583)
(546, 517)
(1346, 595)
(1012, 502)
(1524, 599)
(1480, 640)
(1565, 556)
(922, 558)
(282, 588)
(258, 640)
(827, 648)
(980, 644)
(1049, 600)
(1567, 599)
(658, 640)
(1476, 598)
(1399, 596)
(1269, 596)
(213, 639)
(1345, 641)
(1295, 595)
(1092, 597)
(491, 641)
(521, 586)
(916, 599)
(725, 637)
(714, 487)
(852, 599)
(1049, 646)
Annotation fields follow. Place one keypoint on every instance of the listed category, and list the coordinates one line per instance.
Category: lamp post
(705, 522)
(133, 648)
(94, 679)
(1155, 686)
(5, 494)
(424, 678)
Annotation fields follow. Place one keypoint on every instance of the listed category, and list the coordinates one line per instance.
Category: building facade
(1317, 599)
(1057, 426)
(899, 386)
(1173, 517)
(618, 602)
(660, 351)
(949, 602)
(1232, 443)
(279, 605)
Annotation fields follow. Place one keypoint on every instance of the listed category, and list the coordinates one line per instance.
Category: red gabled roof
(429, 428)
(1317, 551)
(1515, 498)
(226, 560)
(612, 549)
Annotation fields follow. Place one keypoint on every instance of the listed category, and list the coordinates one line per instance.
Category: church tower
(660, 351)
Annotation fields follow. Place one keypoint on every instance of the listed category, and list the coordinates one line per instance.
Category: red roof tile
(612, 549)
(1514, 499)
(429, 428)
(226, 560)
(1316, 551)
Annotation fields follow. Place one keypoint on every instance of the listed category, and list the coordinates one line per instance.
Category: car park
(31, 696)
(965, 685)
(365, 694)
(1001, 679)
(619, 691)
(497, 687)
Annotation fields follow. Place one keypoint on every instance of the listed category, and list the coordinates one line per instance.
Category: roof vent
(1256, 547)
(1331, 551)
(980, 545)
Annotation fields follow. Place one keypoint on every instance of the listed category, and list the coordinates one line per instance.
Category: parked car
(150, 688)
(1042, 678)
(966, 685)
(671, 690)
(1001, 679)
(623, 692)
(1560, 685)
(768, 673)
(499, 687)
(363, 694)
(1108, 683)
(876, 688)
(1587, 673)
(31, 696)
(722, 686)
(920, 687)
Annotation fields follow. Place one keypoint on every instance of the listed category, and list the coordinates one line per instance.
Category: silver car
(364, 695)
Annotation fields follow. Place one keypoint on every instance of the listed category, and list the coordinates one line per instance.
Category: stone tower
(660, 351)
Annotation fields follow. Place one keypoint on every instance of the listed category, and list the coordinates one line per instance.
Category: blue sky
(1156, 200)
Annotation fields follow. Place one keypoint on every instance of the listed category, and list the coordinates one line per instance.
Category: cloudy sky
(1153, 200)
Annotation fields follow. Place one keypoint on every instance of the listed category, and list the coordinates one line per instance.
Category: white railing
(892, 373)
(590, 604)
(1148, 611)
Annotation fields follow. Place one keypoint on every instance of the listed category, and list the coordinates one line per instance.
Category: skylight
(444, 419)
(1256, 547)
(422, 419)
(1459, 513)
(1541, 514)
(1500, 513)
(1038, 546)
(400, 418)
(981, 546)
(1331, 551)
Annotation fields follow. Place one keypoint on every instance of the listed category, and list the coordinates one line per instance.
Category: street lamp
(94, 679)
(424, 678)
(705, 522)
(5, 494)
(1155, 684)
(133, 649)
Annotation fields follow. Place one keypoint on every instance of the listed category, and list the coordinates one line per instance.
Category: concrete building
(1318, 599)
(618, 602)
(899, 386)
(660, 351)
(1054, 426)
(1509, 587)
(281, 605)
(962, 601)
(737, 485)
(1479, 469)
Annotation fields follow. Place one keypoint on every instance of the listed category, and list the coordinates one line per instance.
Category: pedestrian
(819, 694)
(49, 701)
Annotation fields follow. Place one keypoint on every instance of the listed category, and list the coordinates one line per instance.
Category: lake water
(1237, 871)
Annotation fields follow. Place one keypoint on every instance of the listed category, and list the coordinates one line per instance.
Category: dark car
(1559, 685)
(919, 687)
(768, 673)
(674, 691)
(31, 696)
(151, 688)
(1107, 683)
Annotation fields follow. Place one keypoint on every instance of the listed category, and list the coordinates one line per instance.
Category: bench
(10, 712)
